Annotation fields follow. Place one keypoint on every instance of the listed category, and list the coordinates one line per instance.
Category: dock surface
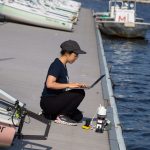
(25, 55)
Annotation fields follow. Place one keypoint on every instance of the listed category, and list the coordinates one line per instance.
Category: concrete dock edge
(115, 134)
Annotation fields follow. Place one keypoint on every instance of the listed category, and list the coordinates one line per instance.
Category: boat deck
(25, 55)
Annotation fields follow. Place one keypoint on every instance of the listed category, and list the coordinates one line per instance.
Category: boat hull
(121, 30)
(34, 18)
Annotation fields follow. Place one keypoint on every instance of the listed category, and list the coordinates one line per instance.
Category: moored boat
(121, 20)
(139, 29)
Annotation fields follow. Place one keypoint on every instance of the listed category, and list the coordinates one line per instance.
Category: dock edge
(116, 139)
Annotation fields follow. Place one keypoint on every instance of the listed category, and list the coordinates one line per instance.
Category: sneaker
(61, 119)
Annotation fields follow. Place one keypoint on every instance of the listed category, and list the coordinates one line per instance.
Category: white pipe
(9, 98)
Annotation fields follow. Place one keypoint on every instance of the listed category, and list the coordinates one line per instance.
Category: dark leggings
(65, 103)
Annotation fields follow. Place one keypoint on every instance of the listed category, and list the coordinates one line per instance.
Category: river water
(130, 72)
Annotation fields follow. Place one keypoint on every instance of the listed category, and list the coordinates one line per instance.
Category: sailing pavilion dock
(25, 55)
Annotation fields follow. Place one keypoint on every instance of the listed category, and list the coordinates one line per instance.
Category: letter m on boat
(122, 19)
(125, 16)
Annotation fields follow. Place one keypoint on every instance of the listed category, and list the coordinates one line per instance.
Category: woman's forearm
(57, 86)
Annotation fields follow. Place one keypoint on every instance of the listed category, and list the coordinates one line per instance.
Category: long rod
(8, 97)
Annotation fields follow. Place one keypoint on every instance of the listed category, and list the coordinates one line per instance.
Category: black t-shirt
(58, 70)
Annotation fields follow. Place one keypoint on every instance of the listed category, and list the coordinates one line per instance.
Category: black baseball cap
(73, 46)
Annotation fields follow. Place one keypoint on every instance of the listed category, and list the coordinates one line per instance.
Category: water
(131, 76)
(130, 60)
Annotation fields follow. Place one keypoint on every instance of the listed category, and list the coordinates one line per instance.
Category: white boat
(64, 5)
(121, 20)
(51, 8)
(67, 5)
(136, 30)
(31, 13)
(71, 3)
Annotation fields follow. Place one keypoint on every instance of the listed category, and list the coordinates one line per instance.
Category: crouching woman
(60, 99)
